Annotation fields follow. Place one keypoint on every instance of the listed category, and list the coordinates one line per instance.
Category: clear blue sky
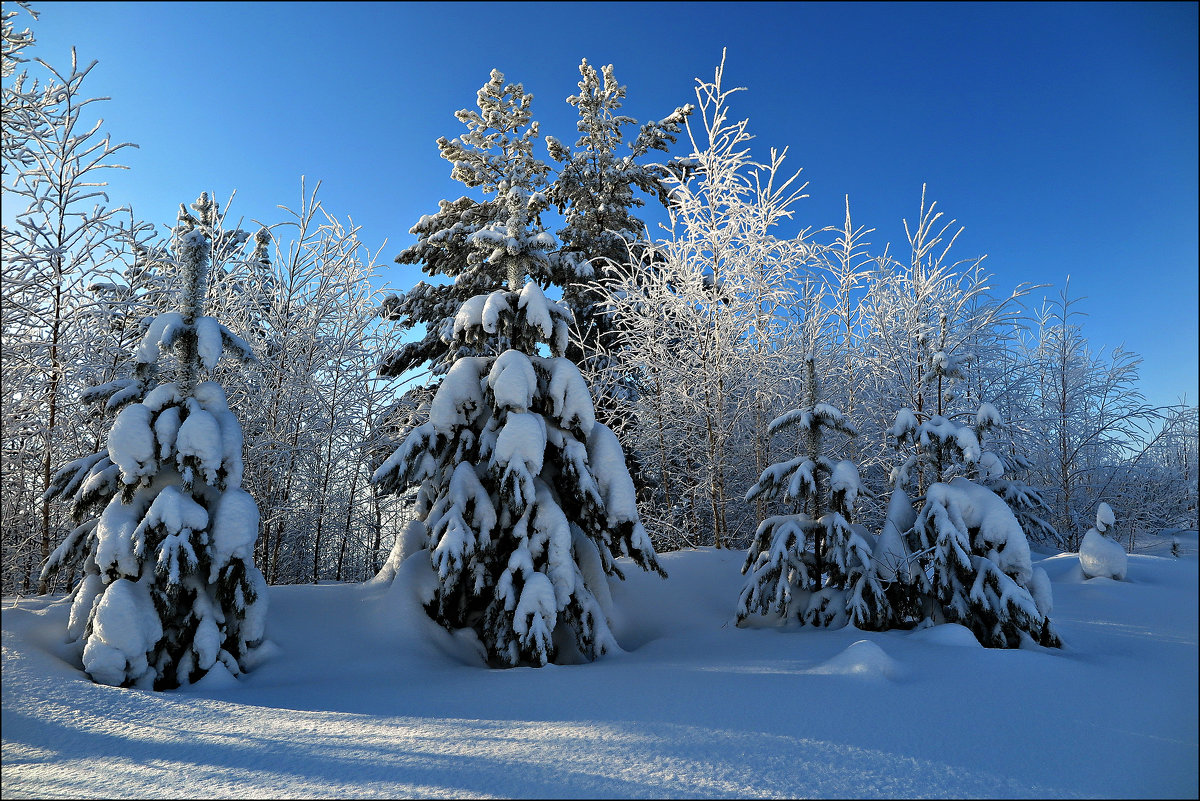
(1063, 136)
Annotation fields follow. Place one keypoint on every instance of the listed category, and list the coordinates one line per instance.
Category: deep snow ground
(364, 697)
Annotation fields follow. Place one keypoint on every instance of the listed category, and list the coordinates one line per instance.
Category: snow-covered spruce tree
(812, 565)
(169, 589)
(496, 158)
(594, 191)
(524, 497)
(971, 562)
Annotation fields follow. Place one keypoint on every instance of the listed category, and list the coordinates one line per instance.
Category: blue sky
(1062, 136)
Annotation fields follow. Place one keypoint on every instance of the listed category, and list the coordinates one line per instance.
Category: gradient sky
(1062, 136)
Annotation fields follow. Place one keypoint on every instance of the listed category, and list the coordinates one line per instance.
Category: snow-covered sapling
(971, 554)
(1098, 554)
(812, 564)
(169, 590)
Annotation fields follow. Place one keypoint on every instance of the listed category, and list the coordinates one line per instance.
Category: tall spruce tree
(473, 241)
(594, 190)
(169, 589)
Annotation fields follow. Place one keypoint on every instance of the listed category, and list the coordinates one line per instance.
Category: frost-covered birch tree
(169, 589)
(64, 237)
(709, 314)
(1089, 413)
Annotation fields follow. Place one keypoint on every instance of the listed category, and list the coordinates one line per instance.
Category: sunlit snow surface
(363, 697)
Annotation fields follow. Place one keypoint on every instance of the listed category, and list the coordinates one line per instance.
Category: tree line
(693, 340)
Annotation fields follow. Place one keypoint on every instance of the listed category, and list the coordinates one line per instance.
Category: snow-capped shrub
(1100, 556)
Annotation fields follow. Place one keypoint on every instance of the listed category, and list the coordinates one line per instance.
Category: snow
(114, 536)
(175, 512)
(160, 396)
(988, 415)
(470, 314)
(513, 381)
(864, 659)
(234, 530)
(570, 397)
(537, 309)
(161, 333)
(991, 467)
(364, 697)
(495, 304)
(200, 437)
(166, 427)
(997, 530)
(522, 442)
(131, 443)
(607, 461)
(1100, 557)
(1104, 517)
(208, 341)
(126, 627)
(460, 397)
(845, 479)
(906, 422)
(358, 694)
(890, 553)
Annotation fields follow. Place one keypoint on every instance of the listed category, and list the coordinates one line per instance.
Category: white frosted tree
(169, 589)
(64, 236)
(1089, 414)
(711, 317)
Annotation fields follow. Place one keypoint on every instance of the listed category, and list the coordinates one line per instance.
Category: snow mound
(861, 658)
(1100, 557)
(218, 677)
(947, 634)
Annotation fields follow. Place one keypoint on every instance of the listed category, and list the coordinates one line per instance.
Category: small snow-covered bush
(1100, 556)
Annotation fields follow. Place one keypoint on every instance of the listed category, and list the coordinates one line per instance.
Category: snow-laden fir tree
(970, 559)
(169, 591)
(524, 498)
(811, 565)
(594, 190)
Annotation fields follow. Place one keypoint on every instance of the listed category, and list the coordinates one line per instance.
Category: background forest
(693, 337)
